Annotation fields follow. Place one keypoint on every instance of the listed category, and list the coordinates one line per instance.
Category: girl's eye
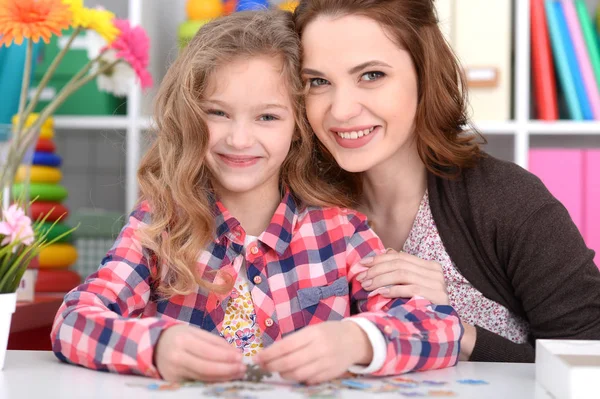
(371, 76)
(216, 112)
(316, 82)
(268, 118)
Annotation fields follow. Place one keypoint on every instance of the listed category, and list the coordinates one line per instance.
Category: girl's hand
(400, 275)
(317, 353)
(189, 353)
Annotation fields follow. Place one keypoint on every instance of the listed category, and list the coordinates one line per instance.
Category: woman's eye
(268, 118)
(315, 82)
(371, 76)
(216, 112)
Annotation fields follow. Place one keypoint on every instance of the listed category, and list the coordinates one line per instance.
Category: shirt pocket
(326, 303)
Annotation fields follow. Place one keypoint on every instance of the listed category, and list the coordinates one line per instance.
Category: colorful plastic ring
(41, 192)
(45, 145)
(54, 231)
(57, 256)
(46, 159)
(39, 174)
(52, 211)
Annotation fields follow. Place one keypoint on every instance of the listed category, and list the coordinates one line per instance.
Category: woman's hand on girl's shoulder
(401, 275)
(185, 353)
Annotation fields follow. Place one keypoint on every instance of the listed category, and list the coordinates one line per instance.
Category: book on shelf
(542, 66)
(576, 60)
(582, 57)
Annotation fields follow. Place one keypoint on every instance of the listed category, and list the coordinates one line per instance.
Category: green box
(88, 100)
(73, 60)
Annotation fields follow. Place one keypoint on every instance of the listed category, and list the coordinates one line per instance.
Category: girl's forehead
(250, 81)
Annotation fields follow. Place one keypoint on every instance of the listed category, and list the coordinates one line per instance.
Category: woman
(387, 102)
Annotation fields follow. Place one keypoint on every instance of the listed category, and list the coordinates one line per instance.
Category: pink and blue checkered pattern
(302, 272)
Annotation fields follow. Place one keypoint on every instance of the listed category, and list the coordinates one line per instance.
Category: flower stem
(50, 72)
(8, 172)
(70, 88)
(24, 89)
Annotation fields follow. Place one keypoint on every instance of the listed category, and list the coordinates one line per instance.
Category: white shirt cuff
(377, 342)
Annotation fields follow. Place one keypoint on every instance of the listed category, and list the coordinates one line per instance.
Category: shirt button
(254, 250)
(387, 330)
(269, 322)
(257, 280)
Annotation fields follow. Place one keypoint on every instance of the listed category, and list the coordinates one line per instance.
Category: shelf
(493, 127)
(90, 122)
(146, 122)
(564, 128)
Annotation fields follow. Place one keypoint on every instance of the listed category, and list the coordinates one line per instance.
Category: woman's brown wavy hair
(173, 176)
(441, 112)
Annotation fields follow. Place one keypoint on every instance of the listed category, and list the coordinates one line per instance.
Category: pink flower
(16, 227)
(133, 46)
(244, 337)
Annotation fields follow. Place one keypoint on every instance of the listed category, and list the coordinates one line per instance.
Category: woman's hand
(189, 353)
(400, 275)
(317, 353)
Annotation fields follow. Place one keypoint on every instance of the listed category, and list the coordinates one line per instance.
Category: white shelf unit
(154, 16)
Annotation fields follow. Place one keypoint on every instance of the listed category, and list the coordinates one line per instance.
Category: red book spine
(542, 66)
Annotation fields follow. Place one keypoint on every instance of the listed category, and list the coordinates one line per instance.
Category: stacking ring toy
(45, 145)
(46, 159)
(46, 133)
(57, 256)
(56, 231)
(56, 281)
(41, 191)
(53, 211)
(32, 118)
(39, 174)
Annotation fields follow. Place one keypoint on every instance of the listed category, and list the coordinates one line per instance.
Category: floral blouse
(239, 325)
(424, 241)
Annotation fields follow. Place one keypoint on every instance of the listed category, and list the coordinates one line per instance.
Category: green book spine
(590, 37)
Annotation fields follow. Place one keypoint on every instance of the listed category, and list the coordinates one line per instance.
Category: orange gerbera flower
(32, 19)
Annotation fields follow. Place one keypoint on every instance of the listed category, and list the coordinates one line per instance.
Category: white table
(30, 374)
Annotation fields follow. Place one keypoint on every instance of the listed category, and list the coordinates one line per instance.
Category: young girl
(480, 234)
(237, 244)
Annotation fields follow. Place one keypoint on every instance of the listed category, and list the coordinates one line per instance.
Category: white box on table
(26, 289)
(568, 369)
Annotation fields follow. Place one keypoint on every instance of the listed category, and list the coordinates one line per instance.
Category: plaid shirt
(303, 271)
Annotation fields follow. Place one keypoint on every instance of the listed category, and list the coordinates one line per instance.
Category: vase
(8, 304)
(26, 288)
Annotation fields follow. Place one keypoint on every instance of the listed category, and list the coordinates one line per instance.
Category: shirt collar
(278, 234)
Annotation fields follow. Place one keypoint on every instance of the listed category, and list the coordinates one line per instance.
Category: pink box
(591, 174)
(561, 170)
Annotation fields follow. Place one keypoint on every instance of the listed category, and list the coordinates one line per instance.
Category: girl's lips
(237, 161)
(355, 143)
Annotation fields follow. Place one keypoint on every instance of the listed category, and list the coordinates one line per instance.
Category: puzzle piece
(166, 386)
(472, 382)
(434, 383)
(354, 384)
(255, 374)
(407, 385)
(322, 391)
(441, 393)
(229, 391)
(405, 380)
(385, 388)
